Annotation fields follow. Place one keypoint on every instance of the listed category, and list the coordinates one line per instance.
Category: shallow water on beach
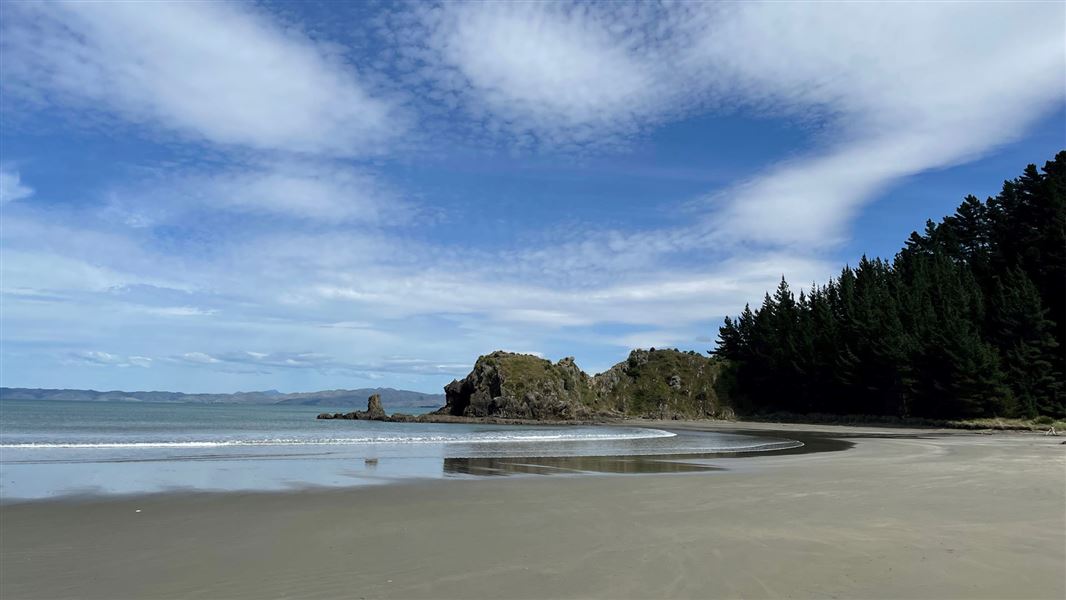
(50, 449)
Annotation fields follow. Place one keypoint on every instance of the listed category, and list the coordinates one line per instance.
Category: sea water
(50, 448)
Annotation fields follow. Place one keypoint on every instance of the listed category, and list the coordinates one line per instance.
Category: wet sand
(903, 514)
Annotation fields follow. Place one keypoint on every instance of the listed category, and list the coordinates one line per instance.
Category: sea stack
(374, 412)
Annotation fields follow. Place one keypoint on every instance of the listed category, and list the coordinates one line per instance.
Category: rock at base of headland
(374, 412)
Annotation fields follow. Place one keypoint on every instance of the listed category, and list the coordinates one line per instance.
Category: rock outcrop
(505, 387)
(374, 412)
(521, 386)
(661, 384)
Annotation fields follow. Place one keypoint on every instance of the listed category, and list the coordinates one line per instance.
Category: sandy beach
(902, 514)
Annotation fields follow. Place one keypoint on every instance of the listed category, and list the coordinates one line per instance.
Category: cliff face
(650, 383)
(661, 384)
(521, 386)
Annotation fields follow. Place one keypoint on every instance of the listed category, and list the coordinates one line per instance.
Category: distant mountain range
(392, 399)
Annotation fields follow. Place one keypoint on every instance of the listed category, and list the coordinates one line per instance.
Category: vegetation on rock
(661, 384)
(520, 386)
(650, 383)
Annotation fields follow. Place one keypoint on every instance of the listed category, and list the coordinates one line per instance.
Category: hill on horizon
(390, 397)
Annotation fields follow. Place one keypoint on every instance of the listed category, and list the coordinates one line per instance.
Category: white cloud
(266, 362)
(904, 88)
(498, 292)
(899, 88)
(180, 311)
(44, 254)
(553, 68)
(896, 90)
(98, 358)
(101, 358)
(321, 191)
(46, 272)
(11, 187)
(218, 71)
(349, 325)
(432, 309)
(199, 358)
(140, 361)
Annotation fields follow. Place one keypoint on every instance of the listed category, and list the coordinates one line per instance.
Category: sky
(224, 196)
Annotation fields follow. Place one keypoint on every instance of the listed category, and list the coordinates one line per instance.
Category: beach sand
(931, 515)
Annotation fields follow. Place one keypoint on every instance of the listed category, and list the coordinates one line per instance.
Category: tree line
(968, 320)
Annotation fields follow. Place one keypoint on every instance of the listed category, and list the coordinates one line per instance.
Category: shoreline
(814, 439)
(547, 463)
(905, 515)
(775, 420)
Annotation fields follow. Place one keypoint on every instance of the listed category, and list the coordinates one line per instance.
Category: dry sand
(944, 515)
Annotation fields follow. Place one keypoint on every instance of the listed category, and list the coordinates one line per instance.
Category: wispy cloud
(105, 359)
(11, 187)
(199, 358)
(43, 271)
(308, 191)
(318, 262)
(558, 71)
(898, 88)
(180, 311)
(902, 88)
(223, 72)
(510, 291)
(266, 362)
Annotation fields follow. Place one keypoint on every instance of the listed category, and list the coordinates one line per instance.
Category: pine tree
(968, 320)
(1023, 333)
(956, 373)
(729, 341)
(973, 229)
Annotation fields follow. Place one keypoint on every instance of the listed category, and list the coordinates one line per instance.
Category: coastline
(906, 514)
(782, 420)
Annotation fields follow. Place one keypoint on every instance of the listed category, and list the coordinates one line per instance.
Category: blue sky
(223, 196)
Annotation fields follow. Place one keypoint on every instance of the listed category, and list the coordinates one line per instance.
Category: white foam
(465, 438)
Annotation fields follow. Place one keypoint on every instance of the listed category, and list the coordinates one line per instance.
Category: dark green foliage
(968, 320)
(1032, 361)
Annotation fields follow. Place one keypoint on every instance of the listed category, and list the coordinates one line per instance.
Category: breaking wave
(469, 437)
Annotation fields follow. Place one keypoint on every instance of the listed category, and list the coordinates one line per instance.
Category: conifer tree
(968, 320)
(1030, 353)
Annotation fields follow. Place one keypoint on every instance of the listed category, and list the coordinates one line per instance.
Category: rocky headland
(522, 386)
(664, 384)
(510, 388)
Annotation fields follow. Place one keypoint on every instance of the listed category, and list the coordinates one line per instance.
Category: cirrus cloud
(11, 187)
(286, 241)
(216, 71)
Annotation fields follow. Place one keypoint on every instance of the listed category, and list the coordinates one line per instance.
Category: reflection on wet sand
(633, 464)
(553, 465)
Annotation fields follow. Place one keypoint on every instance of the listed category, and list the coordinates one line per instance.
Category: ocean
(54, 449)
